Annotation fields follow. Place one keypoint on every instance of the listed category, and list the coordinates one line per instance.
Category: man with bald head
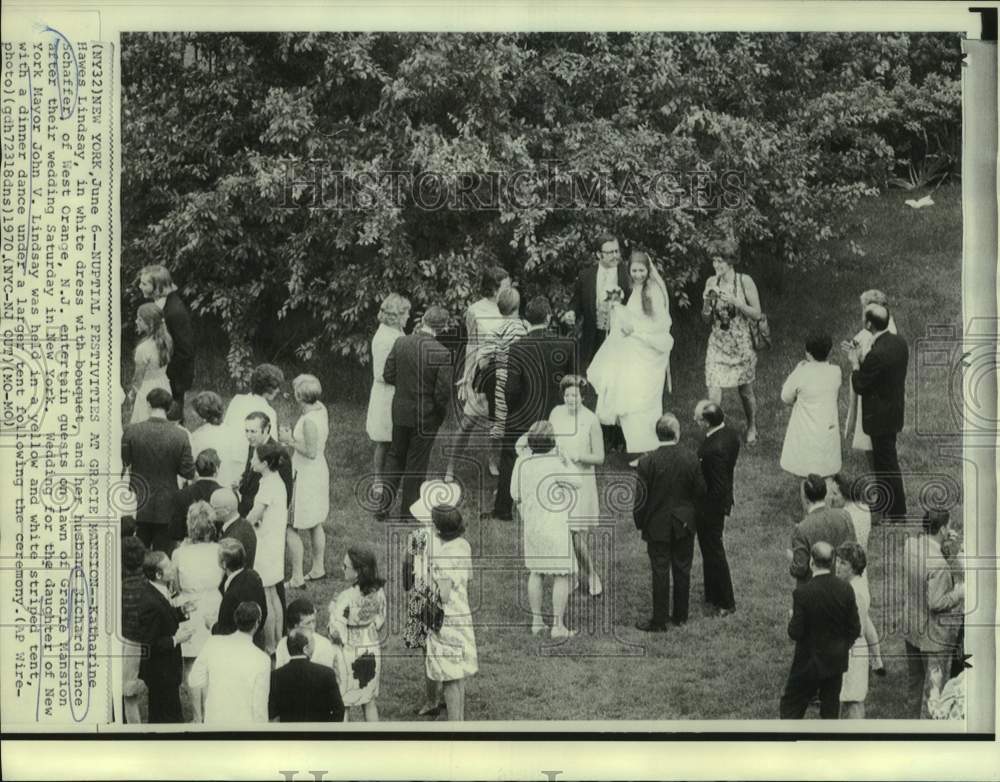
(230, 524)
(880, 381)
(824, 624)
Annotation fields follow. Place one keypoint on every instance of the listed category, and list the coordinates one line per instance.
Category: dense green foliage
(212, 124)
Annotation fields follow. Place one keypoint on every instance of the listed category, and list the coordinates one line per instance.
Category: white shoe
(596, 588)
(537, 626)
(562, 632)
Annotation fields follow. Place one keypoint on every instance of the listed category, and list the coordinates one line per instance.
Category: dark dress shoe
(497, 516)
(650, 627)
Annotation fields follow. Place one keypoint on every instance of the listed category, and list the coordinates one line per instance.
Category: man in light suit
(880, 381)
(156, 451)
(824, 624)
(935, 602)
(717, 454)
(303, 690)
(236, 674)
(821, 522)
(420, 369)
(590, 311)
(671, 485)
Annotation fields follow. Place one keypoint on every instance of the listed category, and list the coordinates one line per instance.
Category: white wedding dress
(629, 370)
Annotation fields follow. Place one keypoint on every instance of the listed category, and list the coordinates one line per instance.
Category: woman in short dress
(730, 303)
(851, 563)
(812, 440)
(198, 577)
(265, 385)
(356, 616)
(311, 492)
(451, 655)
(392, 318)
(152, 355)
(543, 490)
(859, 440)
(580, 441)
(269, 516)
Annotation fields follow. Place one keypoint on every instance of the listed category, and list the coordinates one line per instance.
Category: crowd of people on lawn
(225, 494)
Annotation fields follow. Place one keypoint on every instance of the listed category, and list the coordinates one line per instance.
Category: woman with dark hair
(631, 367)
(451, 654)
(265, 385)
(481, 319)
(198, 577)
(269, 516)
(580, 442)
(157, 286)
(851, 563)
(208, 409)
(543, 491)
(812, 440)
(356, 616)
(152, 355)
(730, 303)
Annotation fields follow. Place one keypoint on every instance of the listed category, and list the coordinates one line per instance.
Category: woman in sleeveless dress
(356, 616)
(311, 490)
(392, 317)
(580, 442)
(630, 368)
(730, 303)
(198, 576)
(152, 355)
(851, 563)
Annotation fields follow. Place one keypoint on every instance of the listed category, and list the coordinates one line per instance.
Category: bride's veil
(657, 278)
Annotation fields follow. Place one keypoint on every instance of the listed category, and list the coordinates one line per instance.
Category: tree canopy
(524, 147)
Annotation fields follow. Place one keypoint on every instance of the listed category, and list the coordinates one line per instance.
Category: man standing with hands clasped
(824, 623)
(880, 381)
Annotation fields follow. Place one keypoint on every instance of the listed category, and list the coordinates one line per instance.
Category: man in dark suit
(156, 451)
(206, 466)
(257, 428)
(239, 584)
(880, 381)
(824, 624)
(536, 364)
(717, 453)
(161, 634)
(134, 586)
(590, 311)
(832, 525)
(304, 691)
(230, 524)
(669, 487)
(420, 369)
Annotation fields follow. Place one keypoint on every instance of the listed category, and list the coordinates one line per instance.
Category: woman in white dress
(198, 576)
(580, 442)
(311, 492)
(152, 355)
(630, 368)
(812, 440)
(392, 318)
(265, 385)
(859, 440)
(543, 491)
(269, 516)
(851, 562)
(210, 433)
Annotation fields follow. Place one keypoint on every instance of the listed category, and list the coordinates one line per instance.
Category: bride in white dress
(631, 367)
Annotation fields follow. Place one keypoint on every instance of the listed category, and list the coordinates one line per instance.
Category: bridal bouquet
(615, 294)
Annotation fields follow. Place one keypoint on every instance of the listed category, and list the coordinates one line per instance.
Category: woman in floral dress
(730, 303)
(356, 616)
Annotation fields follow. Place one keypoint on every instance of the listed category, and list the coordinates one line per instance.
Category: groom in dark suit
(590, 311)
(717, 453)
(669, 487)
(880, 381)
(536, 363)
(420, 369)
(824, 624)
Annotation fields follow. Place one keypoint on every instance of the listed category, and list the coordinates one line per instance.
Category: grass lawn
(710, 669)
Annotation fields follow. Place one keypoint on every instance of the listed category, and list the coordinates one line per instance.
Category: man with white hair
(669, 487)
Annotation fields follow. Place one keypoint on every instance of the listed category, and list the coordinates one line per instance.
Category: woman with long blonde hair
(152, 355)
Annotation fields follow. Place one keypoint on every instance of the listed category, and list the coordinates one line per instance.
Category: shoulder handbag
(760, 330)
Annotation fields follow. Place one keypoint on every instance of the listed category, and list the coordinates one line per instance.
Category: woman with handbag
(732, 306)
